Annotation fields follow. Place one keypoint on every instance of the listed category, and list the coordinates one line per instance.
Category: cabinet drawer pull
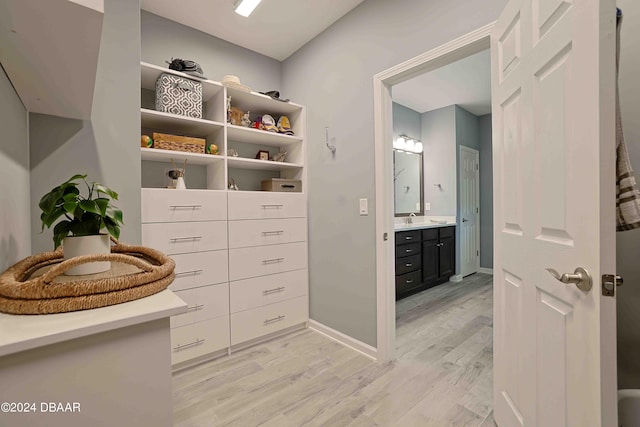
(274, 290)
(408, 251)
(272, 206)
(272, 233)
(176, 239)
(440, 244)
(408, 264)
(408, 281)
(275, 319)
(272, 261)
(184, 273)
(408, 237)
(198, 341)
(185, 206)
(195, 307)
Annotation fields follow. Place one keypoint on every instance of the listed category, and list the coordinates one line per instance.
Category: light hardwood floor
(442, 375)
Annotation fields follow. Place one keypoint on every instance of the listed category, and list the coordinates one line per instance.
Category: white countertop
(25, 332)
(420, 225)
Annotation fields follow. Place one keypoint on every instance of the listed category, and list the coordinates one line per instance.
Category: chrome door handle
(464, 220)
(580, 277)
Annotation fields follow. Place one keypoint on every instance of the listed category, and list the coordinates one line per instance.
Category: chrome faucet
(410, 218)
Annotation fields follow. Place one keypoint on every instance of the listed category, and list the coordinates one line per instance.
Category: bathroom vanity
(425, 256)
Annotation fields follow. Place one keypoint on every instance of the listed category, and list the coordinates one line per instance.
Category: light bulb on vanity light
(410, 145)
(245, 7)
(399, 143)
(418, 147)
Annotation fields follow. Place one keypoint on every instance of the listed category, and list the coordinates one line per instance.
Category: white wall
(15, 235)
(439, 140)
(332, 75)
(628, 242)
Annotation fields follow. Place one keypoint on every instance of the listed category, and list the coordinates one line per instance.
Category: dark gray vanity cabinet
(424, 258)
(438, 255)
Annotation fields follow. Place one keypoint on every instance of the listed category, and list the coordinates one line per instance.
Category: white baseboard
(343, 339)
(485, 270)
(457, 278)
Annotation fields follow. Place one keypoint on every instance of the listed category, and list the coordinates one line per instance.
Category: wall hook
(438, 185)
(331, 147)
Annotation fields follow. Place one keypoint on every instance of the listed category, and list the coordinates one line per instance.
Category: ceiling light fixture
(245, 7)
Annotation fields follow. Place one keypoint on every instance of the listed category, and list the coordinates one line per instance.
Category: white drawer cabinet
(250, 324)
(245, 233)
(207, 302)
(199, 339)
(183, 237)
(259, 291)
(162, 205)
(261, 260)
(264, 205)
(199, 269)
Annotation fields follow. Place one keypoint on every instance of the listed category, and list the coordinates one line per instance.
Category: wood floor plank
(443, 374)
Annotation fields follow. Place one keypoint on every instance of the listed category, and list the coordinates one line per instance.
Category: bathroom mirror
(407, 183)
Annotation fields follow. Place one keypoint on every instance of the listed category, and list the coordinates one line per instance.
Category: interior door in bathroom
(553, 82)
(469, 160)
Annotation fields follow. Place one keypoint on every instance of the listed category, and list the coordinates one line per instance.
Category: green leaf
(70, 197)
(48, 218)
(75, 177)
(70, 206)
(115, 214)
(102, 204)
(112, 228)
(90, 206)
(106, 190)
(48, 201)
(60, 231)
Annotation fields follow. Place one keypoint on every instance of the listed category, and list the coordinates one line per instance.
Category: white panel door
(469, 211)
(554, 207)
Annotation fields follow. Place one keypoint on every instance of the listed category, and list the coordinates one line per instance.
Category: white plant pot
(74, 246)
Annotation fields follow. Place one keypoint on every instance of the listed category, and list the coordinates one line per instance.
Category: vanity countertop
(420, 225)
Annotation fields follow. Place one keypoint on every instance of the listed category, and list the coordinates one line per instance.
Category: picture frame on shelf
(262, 155)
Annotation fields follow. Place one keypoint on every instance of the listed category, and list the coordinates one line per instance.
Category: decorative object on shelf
(232, 184)
(257, 123)
(36, 284)
(284, 126)
(178, 143)
(212, 149)
(246, 121)
(84, 218)
(234, 82)
(407, 143)
(186, 66)
(280, 156)
(262, 155)
(282, 185)
(232, 152)
(146, 141)
(236, 116)
(177, 175)
(179, 95)
(274, 94)
(268, 123)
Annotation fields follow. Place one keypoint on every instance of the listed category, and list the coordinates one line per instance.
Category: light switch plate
(364, 207)
(427, 206)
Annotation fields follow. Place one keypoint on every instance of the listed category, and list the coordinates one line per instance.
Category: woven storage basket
(178, 143)
(36, 285)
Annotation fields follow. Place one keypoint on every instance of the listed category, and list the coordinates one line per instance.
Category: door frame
(477, 189)
(466, 45)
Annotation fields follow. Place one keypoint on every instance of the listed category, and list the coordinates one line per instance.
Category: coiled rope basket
(37, 284)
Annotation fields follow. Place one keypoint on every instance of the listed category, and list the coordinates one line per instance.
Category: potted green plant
(82, 219)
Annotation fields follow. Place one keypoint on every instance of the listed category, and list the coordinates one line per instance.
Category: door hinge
(477, 166)
(609, 283)
(477, 253)
(477, 210)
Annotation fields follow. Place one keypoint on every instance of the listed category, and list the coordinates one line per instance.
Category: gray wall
(406, 121)
(106, 147)
(628, 242)
(466, 135)
(15, 234)
(439, 140)
(163, 39)
(486, 192)
(332, 75)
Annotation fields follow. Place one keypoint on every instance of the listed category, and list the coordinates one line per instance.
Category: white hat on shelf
(234, 82)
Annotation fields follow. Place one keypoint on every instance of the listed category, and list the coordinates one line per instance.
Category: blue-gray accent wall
(486, 191)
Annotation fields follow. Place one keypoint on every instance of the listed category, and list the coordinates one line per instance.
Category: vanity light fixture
(245, 7)
(406, 143)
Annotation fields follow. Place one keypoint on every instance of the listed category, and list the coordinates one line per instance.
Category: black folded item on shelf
(186, 66)
(274, 94)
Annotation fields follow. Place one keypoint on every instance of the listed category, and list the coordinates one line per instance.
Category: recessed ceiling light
(245, 7)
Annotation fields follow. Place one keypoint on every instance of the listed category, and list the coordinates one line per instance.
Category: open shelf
(258, 102)
(172, 123)
(244, 163)
(158, 155)
(260, 137)
(150, 73)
